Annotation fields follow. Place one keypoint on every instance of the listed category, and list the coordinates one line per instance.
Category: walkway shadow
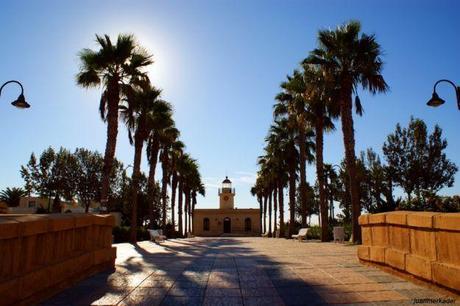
(249, 271)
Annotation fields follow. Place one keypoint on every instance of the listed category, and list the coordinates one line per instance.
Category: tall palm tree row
(349, 58)
(189, 186)
(315, 95)
(114, 67)
(119, 69)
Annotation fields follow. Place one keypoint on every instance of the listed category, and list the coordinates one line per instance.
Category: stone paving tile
(174, 291)
(265, 300)
(261, 291)
(151, 282)
(242, 271)
(189, 284)
(224, 284)
(219, 301)
(380, 296)
(182, 301)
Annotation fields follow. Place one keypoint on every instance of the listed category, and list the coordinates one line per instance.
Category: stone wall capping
(377, 218)
(424, 244)
(9, 228)
(448, 221)
(363, 219)
(421, 219)
(60, 222)
(105, 219)
(33, 224)
(397, 217)
(82, 220)
(43, 254)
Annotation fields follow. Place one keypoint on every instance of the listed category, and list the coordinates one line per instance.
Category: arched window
(206, 224)
(247, 224)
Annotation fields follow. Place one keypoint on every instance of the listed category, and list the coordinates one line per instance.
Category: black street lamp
(20, 102)
(437, 101)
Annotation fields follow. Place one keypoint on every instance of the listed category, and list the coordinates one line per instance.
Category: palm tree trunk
(151, 180)
(138, 144)
(291, 197)
(190, 216)
(179, 207)
(265, 213)
(173, 199)
(350, 157)
(275, 210)
(320, 176)
(164, 188)
(261, 208)
(303, 174)
(112, 132)
(192, 223)
(187, 201)
(281, 207)
(270, 234)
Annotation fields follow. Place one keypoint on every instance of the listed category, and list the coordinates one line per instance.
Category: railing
(43, 254)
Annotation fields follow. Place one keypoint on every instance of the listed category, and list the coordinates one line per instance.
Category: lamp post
(437, 101)
(20, 102)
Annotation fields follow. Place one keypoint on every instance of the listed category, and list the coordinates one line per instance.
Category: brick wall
(42, 254)
(424, 244)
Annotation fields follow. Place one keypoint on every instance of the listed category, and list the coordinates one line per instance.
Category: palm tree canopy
(350, 58)
(113, 64)
(144, 111)
(12, 196)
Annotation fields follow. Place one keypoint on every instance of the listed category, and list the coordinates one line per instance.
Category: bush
(170, 232)
(314, 232)
(41, 210)
(121, 234)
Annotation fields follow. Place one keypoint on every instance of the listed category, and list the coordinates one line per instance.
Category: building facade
(226, 220)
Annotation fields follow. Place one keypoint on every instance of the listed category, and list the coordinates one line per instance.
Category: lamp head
(435, 100)
(20, 102)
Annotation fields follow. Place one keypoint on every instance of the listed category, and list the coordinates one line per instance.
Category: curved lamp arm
(12, 81)
(456, 88)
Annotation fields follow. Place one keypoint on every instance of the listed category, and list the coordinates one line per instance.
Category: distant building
(226, 220)
(29, 205)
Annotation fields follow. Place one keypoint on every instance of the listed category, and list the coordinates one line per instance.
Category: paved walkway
(243, 271)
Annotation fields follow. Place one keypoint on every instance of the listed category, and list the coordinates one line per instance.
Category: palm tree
(190, 180)
(277, 149)
(320, 112)
(140, 113)
(349, 59)
(168, 137)
(184, 165)
(12, 196)
(294, 105)
(286, 124)
(197, 187)
(256, 190)
(177, 149)
(113, 67)
(162, 123)
(265, 179)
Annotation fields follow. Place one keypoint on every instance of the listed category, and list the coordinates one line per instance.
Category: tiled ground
(243, 271)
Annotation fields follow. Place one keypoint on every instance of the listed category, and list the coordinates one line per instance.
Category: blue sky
(220, 64)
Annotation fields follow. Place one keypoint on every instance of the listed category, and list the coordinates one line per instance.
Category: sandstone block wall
(43, 254)
(424, 244)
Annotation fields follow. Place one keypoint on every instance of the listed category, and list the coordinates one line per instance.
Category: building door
(227, 225)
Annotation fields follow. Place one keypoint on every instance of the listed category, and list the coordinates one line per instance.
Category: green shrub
(41, 210)
(314, 232)
(121, 234)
